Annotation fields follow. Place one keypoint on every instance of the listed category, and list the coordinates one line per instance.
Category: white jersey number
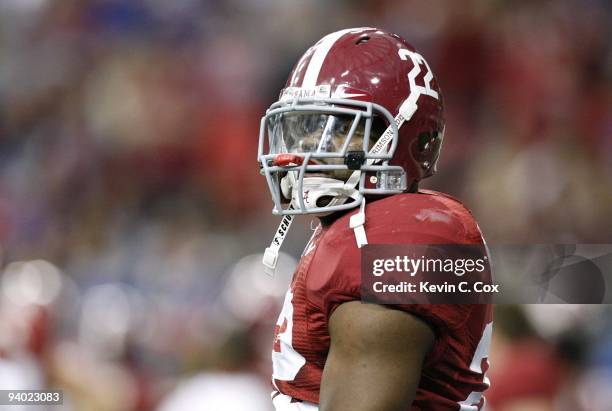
(471, 403)
(286, 362)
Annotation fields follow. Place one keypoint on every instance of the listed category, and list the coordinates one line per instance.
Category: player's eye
(344, 128)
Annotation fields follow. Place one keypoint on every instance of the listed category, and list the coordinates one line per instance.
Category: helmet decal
(417, 60)
(320, 52)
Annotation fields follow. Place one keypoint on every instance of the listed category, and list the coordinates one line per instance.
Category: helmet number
(409, 106)
(418, 60)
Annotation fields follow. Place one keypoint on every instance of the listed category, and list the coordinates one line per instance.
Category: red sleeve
(334, 276)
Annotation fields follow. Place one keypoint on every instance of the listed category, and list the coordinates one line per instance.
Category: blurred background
(132, 211)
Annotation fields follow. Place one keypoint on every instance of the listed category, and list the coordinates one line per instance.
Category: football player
(359, 122)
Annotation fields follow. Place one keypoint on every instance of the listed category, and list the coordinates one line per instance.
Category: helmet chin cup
(316, 188)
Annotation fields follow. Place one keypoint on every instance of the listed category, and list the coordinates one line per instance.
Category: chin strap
(270, 256)
(357, 222)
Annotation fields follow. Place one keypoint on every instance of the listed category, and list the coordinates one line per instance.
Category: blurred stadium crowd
(131, 207)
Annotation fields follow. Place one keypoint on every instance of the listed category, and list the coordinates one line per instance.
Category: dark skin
(375, 358)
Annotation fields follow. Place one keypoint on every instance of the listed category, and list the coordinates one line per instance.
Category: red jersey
(329, 274)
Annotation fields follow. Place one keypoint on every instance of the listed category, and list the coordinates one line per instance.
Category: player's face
(323, 133)
(313, 143)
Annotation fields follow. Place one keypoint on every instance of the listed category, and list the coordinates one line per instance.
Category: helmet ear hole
(424, 141)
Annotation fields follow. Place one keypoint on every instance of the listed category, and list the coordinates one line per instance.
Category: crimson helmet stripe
(300, 68)
(320, 52)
